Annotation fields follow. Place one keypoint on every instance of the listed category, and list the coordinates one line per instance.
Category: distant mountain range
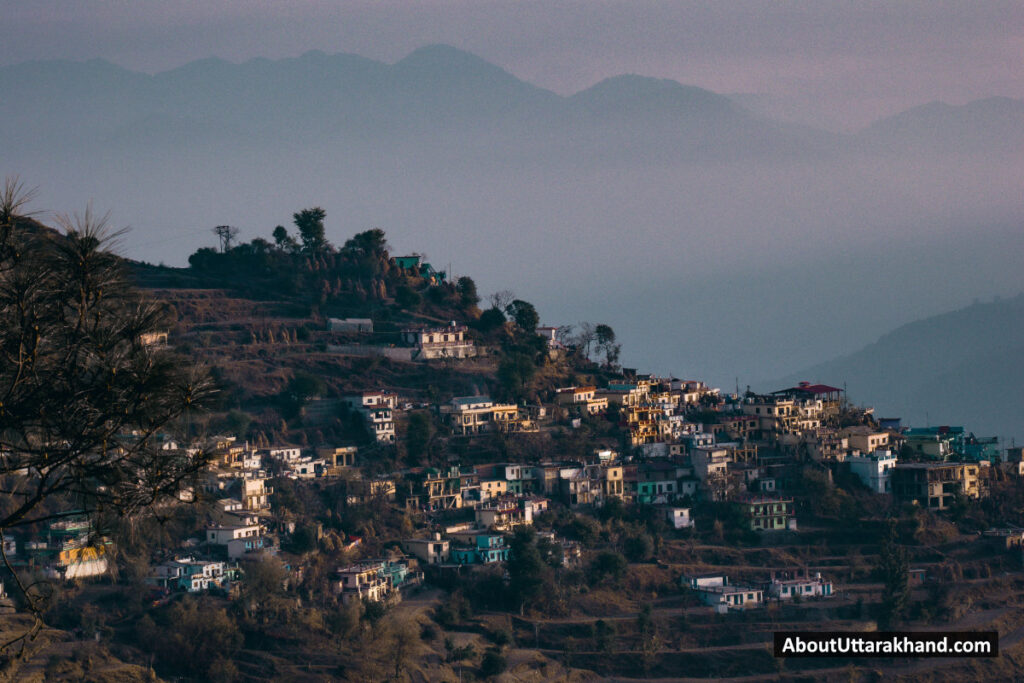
(961, 368)
(435, 90)
(705, 232)
(992, 124)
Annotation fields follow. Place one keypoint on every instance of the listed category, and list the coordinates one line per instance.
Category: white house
(286, 454)
(377, 408)
(439, 342)
(678, 517)
(804, 587)
(238, 539)
(733, 597)
(255, 493)
(716, 591)
(874, 469)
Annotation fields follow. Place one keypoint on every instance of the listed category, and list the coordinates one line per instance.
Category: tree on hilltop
(467, 291)
(605, 337)
(310, 223)
(524, 315)
(370, 244)
(283, 240)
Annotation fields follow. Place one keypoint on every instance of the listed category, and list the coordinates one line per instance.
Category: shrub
(493, 663)
(608, 564)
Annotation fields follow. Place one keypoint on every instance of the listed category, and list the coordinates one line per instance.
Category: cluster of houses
(689, 442)
(503, 495)
(683, 442)
(467, 545)
(736, 445)
(721, 446)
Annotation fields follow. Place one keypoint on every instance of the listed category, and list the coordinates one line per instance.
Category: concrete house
(791, 585)
(476, 547)
(936, 485)
(470, 414)
(936, 443)
(238, 537)
(678, 518)
(874, 469)
(433, 550)
(377, 409)
(431, 343)
(581, 400)
(866, 439)
(767, 513)
(715, 590)
(191, 575)
(363, 581)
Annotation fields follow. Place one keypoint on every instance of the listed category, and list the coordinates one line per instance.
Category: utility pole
(226, 234)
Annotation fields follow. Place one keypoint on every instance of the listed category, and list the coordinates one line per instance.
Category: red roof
(809, 388)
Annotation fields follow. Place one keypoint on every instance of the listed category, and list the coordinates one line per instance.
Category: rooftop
(758, 499)
(808, 388)
(470, 400)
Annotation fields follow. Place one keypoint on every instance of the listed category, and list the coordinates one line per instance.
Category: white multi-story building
(255, 494)
(874, 469)
(377, 408)
(237, 538)
(471, 414)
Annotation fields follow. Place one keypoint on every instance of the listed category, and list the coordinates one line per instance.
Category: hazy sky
(840, 64)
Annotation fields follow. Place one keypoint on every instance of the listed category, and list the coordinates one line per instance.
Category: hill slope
(963, 367)
(994, 125)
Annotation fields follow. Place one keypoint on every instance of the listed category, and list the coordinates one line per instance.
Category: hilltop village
(404, 485)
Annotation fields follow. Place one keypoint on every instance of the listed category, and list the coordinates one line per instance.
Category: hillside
(258, 315)
(995, 125)
(963, 367)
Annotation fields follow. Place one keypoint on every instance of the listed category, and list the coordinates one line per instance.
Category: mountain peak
(449, 61)
(644, 93)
